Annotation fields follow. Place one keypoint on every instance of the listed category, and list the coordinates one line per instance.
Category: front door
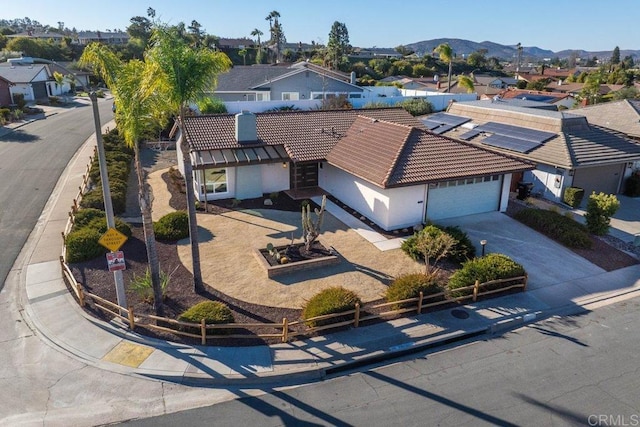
(303, 175)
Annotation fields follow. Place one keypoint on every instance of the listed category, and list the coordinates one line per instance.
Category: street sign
(112, 239)
(115, 261)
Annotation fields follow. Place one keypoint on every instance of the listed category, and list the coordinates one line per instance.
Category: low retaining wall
(277, 270)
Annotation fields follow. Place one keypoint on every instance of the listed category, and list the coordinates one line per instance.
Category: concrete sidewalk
(112, 347)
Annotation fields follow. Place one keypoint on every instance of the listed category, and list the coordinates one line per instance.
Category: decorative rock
(396, 232)
(362, 218)
(405, 230)
(418, 227)
(268, 202)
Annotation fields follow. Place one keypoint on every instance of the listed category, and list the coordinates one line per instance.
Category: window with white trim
(290, 96)
(215, 180)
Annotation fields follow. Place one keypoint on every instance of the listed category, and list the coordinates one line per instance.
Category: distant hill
(507, 52)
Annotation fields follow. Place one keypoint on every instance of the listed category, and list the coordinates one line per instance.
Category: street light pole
(106, 193)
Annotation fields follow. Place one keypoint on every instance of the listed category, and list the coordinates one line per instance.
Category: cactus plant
(310, 229)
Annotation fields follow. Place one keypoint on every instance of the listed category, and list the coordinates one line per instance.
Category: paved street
(32, 158)
(571, 370)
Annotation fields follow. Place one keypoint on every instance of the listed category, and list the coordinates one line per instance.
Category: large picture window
(215, 180)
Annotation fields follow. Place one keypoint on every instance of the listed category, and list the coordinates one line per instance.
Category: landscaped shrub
(213, 312)
(600, 208)
(5, 113)
(563, 229)
(632, 186)
(483, 269)
(573, 196)
(410, 285)
(142, 285)
(100, 224)
(94, 198)
(329, 301)
(85, 216)
(462, 250)
(172, 226)
(82, 245)
(417, 106)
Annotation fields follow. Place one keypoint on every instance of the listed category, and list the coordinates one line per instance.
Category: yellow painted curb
(128, 354)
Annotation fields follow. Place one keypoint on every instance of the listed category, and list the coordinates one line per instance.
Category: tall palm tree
(446, 54)
(258, 33)
(276, 30)
(186, 75)
(128, 83)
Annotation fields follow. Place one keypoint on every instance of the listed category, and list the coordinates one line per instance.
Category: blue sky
(548, 24)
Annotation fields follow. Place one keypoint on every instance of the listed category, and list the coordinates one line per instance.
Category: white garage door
(463, 197)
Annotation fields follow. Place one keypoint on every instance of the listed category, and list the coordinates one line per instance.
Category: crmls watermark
(632, 420)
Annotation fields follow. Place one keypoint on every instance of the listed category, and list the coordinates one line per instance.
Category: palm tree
(467, 83)
(446, 55)
(258, 33)
(186, 74)
(276, 30)
(128, 84)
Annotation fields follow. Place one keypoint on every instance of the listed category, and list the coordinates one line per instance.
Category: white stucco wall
(248, 182)
(390, 208)
(24, 89)
(504, 196)
(548, 181)
(275, 177)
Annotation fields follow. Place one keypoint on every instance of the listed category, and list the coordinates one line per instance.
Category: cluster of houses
(398, 170)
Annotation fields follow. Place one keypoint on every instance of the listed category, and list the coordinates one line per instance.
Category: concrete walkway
(110, 346)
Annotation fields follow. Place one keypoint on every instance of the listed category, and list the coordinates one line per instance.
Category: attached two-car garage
(464, 197)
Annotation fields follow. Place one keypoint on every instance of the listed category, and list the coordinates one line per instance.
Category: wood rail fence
(283, 330)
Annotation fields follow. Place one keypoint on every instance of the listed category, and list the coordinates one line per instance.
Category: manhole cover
(459, 314)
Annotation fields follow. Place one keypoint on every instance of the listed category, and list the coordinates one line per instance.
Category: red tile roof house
(381, 162)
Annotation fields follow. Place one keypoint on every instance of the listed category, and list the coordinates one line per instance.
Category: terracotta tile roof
(391, 155)
(306, 135)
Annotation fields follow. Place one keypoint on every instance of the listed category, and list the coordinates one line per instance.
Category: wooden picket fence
(283, 330)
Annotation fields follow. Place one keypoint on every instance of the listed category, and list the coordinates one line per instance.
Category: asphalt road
(32, 159)
(576, 370)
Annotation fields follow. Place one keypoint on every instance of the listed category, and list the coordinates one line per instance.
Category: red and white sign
(115, 261)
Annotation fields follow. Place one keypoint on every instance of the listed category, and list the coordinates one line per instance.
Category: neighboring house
(56, 37)
(302, 80)
(241, 43)
(568, 150)
(29, 80)
(494, 82)
(622, 116)
(106, 37)
(374, 53)
(381, 162)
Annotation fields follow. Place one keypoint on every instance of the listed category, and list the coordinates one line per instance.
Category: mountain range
(507, 52)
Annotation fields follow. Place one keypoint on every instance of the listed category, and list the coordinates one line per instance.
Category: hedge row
(556, 226)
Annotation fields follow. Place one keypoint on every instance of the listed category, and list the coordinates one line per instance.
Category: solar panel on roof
(442, 129)
(516, 132)
(470, 134)
(509, 143)
(431, 124)
(448, 119)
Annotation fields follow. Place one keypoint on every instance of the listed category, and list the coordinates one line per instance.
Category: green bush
(329, 301)
(410, 285)
(172, 226)
(100, 224)
(94, 198)
(632, 186)
(212, 106)
(417, 106)
(600, 208)
(573, 196)
(462, 250)
(213, 312)
(556, 226)
(484, 269)
(142, 285)
(5, 113)
(85, 216)
(82, 245)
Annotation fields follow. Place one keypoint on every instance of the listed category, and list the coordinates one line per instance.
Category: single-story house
(568, 150)
(302, 80)
(5, 93)
(29, 80)
(383, 163)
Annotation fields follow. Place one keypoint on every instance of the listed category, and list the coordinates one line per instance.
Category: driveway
(625, 224)
(546, 261)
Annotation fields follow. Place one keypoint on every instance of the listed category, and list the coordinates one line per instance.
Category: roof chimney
(353, 78)
(246, 129)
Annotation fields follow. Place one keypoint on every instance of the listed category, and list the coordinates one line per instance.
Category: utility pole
(106, 192)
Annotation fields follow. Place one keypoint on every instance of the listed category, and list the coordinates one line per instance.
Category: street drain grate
(459, 314)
